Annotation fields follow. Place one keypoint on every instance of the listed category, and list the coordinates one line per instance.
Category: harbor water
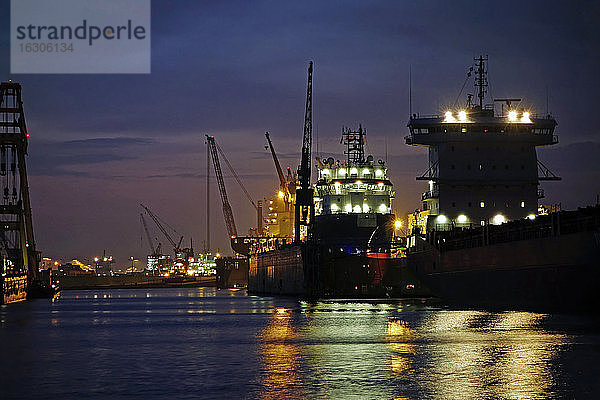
(204, 343)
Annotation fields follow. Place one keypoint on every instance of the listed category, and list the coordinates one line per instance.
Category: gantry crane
(304, 207)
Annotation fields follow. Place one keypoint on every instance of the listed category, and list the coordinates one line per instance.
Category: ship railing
(545, 226)
(430, 194)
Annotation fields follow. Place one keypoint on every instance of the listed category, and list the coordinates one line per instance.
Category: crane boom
(305, 167)
(147, 234)
(227, 213)
(304, 207)
(282, 181)
(235, 175)
(176, 246)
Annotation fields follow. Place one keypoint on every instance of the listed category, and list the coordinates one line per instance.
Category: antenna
(481, 78)
(547, 112)
(410, 91)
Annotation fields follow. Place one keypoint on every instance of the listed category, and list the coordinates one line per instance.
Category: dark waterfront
(204, 343)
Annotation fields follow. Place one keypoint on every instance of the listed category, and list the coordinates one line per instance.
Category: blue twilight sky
(101, 144)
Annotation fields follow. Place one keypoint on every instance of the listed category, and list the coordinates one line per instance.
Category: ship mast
(481, 79)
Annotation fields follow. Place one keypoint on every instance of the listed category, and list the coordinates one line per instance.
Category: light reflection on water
(191, 343)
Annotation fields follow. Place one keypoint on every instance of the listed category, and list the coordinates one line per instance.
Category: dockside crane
(286, 185)
(155, 250)
(214, 149)
(304, 206)
(227, 213)
(176, 245)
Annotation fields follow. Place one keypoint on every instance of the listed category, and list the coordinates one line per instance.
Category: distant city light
(531, 216)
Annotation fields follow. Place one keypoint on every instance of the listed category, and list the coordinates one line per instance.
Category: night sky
(101, 144)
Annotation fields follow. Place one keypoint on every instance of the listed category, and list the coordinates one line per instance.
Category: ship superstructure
(353, 199)
(483, 167)
(482, 242)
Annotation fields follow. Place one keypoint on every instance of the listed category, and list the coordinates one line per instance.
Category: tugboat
(353, 223)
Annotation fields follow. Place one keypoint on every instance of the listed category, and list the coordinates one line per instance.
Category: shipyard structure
(20, 276)
(479, 239)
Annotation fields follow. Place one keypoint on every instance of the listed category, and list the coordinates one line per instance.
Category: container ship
(479, 240)
(343, 227)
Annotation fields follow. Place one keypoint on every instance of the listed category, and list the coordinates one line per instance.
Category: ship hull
(551, 273)
(308, 270)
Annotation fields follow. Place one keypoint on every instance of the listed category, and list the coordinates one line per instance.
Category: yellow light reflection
(280, 356)
(399, 337)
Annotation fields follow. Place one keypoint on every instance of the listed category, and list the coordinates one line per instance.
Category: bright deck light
(531, 216)
(499, 219)
(525, 117)
(462, 116)
(366, 208)
(353, 171)
(280, 194)
(378, 172)
(461, 219)
(357, 208)
(325, 172)
(342, 171)
(334, 207)
(448, 117)
(382, 208)
(441, 219)
(397, 224)
(348, 208)
(512, 116)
